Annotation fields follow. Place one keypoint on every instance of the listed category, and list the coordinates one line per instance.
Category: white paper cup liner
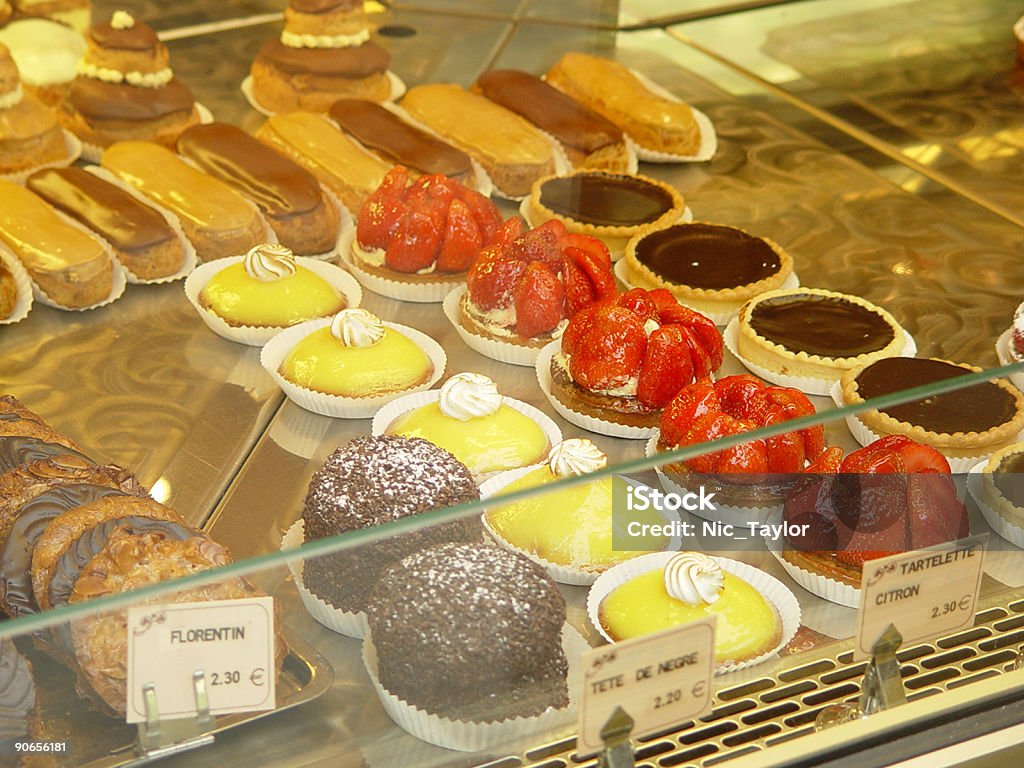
(616, 254)
(865, 436)
(582, 420)
(397, 91)
(255, 336)
(737, 515)
(1012, 533)
(708, 137)
(720, 319)
(806, 384)
(22, 288)
(190, 259)
(475, 737)
(496, 349)
(72, 151)
(275, 351)
(1003, 352)
(773, 590)
(482, 182)
(817, 584)
(420, 293)
(118, 282)
(93, 153)
(409, 402)
(342, 622)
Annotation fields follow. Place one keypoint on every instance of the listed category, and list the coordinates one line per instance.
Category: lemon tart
(268, 288)
(356, 356)
(471, 420)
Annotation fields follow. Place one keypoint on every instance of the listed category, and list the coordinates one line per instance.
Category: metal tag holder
(160, 738)
(618, 751)
(881, 688)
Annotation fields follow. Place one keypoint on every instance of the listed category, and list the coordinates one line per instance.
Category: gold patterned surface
(937, 79)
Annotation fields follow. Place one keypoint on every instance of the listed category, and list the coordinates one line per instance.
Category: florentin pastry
(125, 88)
(269, 289)
(73, 268)
(623, 361)
(814, 333)
(324, 53)
(19, 713)
(611, 206)
(653, 122)
(291, 199)
(892, 496)
(142, 239)
(972, 421)
(345, 168)
(704, 411)
(471, 420)
(570, 527)
(590, 140)
(688, 587)
(512, 151)
(18, 421)
(709, 267)
(215, 218)
(395, 141)
(524, 287)
(370, 481)
(30, 135)
(470, 632)
(1003, 483)
(357, 356)
(426, 230)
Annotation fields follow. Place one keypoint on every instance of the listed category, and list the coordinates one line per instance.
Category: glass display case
(852, 150)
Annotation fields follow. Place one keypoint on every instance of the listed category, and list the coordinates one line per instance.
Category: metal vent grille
(762, 712)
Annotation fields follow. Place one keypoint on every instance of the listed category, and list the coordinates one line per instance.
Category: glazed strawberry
(540, 299)
(666, 363)
(393, 185)
(462, 240)
(916, 457)
(578, 327)
(591, 245)
(540, 244)
(699, 356)
(432, 195)
(705, 429)
(485, 213)
(507, 232)
(737, 395)
(611, 351)
(793, 403)
(692, 402)
(378, 221)
(579, 292)
(492, 279)
(639, 302)
(597, 271)
(785, 451)
(827, 462)
(671, 311)
(414, 245)
(749, 458)
(872, 459)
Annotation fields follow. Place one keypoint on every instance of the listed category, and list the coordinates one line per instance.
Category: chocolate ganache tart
(1003, 483)
(814, 333)
(972, 421)
(611, 206)
(709, 267)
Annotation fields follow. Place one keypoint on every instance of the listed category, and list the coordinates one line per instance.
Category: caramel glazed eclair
(125, 88)
(296, 207)
(72, 530)
(324, 53)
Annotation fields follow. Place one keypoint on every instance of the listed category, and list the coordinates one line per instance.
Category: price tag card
(924, 594)
(658, 680)
(231, 641)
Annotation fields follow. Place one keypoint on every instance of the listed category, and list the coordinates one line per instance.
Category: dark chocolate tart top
(973, 409)
(707, 256)
(606, 199)
(827, 326)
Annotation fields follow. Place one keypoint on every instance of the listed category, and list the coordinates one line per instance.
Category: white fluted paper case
(343, 622)
(773, 590)
(496, 349)
(582, 420)
(1007, 530)
(465, 736)
(22, 288)
(255, 336)
(275, 351)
